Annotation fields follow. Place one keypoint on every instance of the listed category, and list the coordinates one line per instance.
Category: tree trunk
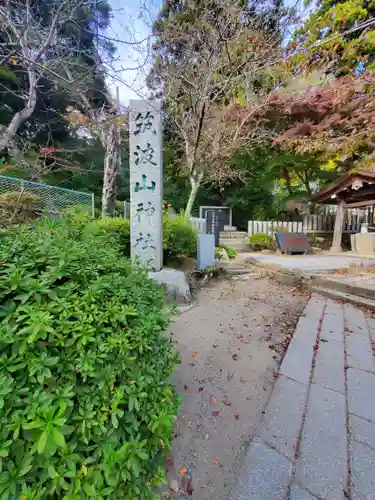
(195, 181)
(111, 169)
(285, 175)
(7, 135)
(339, 224)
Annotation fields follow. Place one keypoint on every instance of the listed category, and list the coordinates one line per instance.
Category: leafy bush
(18, 206)
(261, 241)
(179, 237)
(117, 228)
(86, 408)
(231, 252)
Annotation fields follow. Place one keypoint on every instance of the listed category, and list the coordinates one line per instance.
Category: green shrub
(118, 228)
(231, 252)
(86, 407)
(179, 237)
(261, 241)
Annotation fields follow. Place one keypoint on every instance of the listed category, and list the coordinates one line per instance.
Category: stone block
(297, 493)
(363, 242)
(333, 322)
(362, 472)
(265, 475)
(178, 288)
(322, 465)
(298, 359)
(329, 365)
(361, 394)
(283, 418)
(359, 351)
(362, 430)
(355, 320)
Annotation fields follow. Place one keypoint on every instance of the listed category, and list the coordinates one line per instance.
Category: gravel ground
(230, 345)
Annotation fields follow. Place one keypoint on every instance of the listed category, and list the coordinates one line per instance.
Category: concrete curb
(319, 281)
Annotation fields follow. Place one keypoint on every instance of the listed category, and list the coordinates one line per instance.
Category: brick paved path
(317, 438)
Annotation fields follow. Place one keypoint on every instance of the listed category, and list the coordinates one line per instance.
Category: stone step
(354, 299)
(238, 244)
(342, 286)
(233, 235)
(234, 269)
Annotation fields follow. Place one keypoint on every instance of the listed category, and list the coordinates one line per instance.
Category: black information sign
(213, 225)
(293, 243)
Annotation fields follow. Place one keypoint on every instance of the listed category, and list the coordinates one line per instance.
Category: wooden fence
(309, 224)
(199, 224)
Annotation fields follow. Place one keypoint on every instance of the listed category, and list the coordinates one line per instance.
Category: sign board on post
(213, 225)
(293, 243)
(146, 183)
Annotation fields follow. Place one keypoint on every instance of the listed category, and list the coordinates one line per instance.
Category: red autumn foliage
(338, 117)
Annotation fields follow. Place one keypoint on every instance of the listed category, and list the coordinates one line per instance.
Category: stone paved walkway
(317, 437)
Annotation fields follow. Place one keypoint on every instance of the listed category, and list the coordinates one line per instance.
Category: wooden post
(339, 224)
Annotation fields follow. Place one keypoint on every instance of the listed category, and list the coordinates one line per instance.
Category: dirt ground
(230, 346)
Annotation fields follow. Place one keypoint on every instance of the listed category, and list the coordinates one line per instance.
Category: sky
(132, 22)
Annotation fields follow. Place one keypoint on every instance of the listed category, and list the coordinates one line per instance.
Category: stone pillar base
(335, 249)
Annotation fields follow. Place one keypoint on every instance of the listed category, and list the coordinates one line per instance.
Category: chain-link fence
(49, 199)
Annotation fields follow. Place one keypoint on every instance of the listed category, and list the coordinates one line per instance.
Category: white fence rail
(309, 224)
(199, 224)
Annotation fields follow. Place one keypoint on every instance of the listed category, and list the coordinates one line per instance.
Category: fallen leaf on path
(183, 471)
(195, 454)
(236, 417)
(186, 387)
(194, 353)
(187, 486)
(235, 357)
(168, 463)
(227, 402)
(243, 380)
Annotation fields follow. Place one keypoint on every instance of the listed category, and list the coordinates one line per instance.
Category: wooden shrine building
(352, 190)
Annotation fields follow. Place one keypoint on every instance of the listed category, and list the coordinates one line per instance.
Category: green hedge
(86, 407)
(179, 236)
(260, 241)
(116, 228)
